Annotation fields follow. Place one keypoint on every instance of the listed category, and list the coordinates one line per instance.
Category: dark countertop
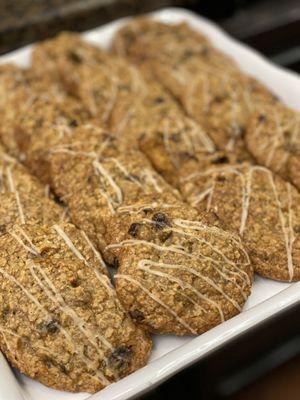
(25, 21)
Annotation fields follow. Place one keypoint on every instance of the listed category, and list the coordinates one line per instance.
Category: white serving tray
(172, 354)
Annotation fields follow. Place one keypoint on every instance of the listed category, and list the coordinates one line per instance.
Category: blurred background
(264, 364)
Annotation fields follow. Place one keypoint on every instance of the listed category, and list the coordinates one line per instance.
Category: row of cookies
(250, 200)
(120, 201)
(110, 196)
(60, 319)
(241, 116)
(211, 88)
(137, 308)
(127, 210)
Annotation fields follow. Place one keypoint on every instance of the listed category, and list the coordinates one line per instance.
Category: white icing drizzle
(145, 265)
(76, 349)
(288, 232)
(206, 279)
(55, 296)
(234, 124)
(20, 207)
(16, 193)
(210, 171)
(150, 177)
(64, 214)
(246, 187)
(125, 171)
(199, 134)
(120, 127)
(194, 225)
(157, 300)
(176, 249)
(47, 191)
(102, 172)
(136, 209)
(90, 244)
(112, 101)
(279, 137)
(20, 241)
(103, 279)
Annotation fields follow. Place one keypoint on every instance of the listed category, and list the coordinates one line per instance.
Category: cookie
(256, 204)
(178, 274)
(151, 44)
(61, 322)
(273, 137)
(23, 198)
(143, 40)
(19, 88)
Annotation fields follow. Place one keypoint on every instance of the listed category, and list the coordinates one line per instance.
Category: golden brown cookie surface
(255, 203)
(23, 198)
(95, 184)
(273, 137)
(206, 82)
(179, 275)
(61, 322)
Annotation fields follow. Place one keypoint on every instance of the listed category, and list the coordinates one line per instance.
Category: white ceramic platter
(171, 354)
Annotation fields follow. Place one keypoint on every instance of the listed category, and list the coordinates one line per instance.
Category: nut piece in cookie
(60, 320)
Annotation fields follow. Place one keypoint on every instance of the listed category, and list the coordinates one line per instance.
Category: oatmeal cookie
(273, 137)
(177, 273)
(143, 40)
(60, 321)
(19, 88)
(255, 203)
(23, 198)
